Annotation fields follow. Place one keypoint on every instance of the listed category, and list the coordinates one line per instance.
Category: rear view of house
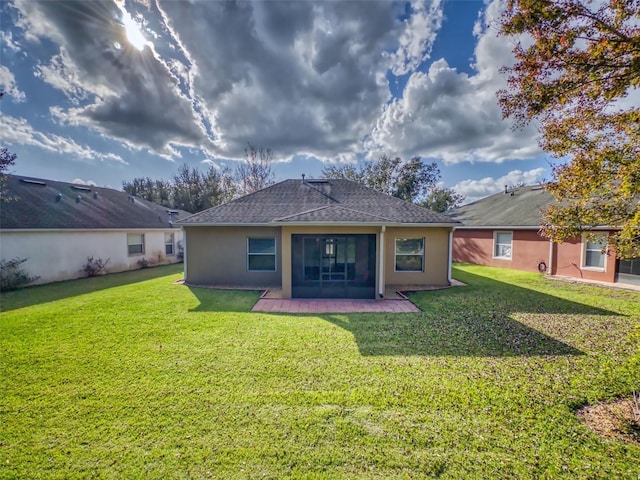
(57, 225)
(502, 230)
(318, 238)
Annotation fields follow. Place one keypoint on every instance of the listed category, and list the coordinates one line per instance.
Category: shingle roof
(314, 201)
(521, 207)
(48, 204)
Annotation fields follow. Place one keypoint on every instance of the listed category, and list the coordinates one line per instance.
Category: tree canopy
(577, 72)
(410, 181)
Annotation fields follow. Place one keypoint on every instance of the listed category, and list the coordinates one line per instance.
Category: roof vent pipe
(78, 198)
(506, 189)
(95, 195)
(303, 175)
(58, 197)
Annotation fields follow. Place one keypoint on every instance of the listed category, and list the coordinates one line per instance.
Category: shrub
(95, 266)
(144, 263)
(12, 276)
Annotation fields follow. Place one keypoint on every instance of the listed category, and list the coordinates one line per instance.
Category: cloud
(418, 37)
(453, 116)
(298, 77)
(17, 131)
(8, 85)
(79, 181)
(477, 189)
(123, 93)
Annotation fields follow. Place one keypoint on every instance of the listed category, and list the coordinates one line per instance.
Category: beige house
(57, 225)
(318, 239)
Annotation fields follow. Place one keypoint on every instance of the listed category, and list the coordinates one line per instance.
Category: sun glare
(134, 35)
(132, 29)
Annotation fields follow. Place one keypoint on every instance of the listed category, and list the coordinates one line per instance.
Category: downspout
(184, 252)
(550, 267)
(381, 264)
(450, 259)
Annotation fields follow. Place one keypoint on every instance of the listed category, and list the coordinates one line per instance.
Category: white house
(58, 225)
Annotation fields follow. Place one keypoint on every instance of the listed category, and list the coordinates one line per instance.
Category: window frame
(129, 244)
(396, 254)
(274, 254)
(586, 249)
(495, 245)
(172, 235)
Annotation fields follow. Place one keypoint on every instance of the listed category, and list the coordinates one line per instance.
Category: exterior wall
(436, 257)
(56, 255)
(217, 256)
(286, 247)
(528, 249)
(476, 246)
(569, 263)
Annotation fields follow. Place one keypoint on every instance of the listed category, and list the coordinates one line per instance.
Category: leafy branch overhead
(578, 73)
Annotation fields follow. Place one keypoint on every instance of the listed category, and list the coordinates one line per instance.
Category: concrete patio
(320, 305)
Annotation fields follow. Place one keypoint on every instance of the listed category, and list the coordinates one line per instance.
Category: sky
(102, 92)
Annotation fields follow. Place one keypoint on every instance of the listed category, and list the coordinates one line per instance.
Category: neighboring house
(503, 231)
(57, 225)
(318, 238)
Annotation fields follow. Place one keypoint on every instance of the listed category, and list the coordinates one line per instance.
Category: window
(502, 242)
(135, 243)
(168, 243)
(261, 254)
(409, 254)
(593, 255)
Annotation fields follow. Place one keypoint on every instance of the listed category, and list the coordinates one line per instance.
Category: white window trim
(275, 254)
(131, 244)
(495, 239)
(395, 254)
(173, 244)
(583, 253)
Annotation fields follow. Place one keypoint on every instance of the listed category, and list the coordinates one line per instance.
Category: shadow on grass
(466, 321)
(219, 300)
(37, 294)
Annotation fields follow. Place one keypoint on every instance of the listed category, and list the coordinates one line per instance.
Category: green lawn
(133, 376)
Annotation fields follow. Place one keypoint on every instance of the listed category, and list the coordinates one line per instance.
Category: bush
(95, 266)
(12, 276)
(144, 263)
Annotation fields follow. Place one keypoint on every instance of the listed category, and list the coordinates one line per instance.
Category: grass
(132, 376)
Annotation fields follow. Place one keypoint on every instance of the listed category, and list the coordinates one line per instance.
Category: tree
(409, 181)
(442, 199)
(255, 172)
(7, 159)
(579, 63)
(189, 190)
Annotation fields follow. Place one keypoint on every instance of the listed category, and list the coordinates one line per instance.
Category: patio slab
(319, 305)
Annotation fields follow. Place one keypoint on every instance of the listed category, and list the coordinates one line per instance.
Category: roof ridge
(303, 213)
(361, 212)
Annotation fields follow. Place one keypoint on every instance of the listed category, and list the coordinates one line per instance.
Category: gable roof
(49, 204)
(324, 202)
(521, 207)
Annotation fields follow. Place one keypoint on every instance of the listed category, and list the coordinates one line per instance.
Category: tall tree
(7, 159)
(255, 172)
(410, 181)
(441, 199)
(573, 73)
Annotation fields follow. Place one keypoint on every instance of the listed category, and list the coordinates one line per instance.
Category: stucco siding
(217, 256)
(61, 255)
(436, 257)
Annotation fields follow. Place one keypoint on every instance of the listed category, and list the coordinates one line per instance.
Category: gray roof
(317, 201)
(520, 207)
(48, 204)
